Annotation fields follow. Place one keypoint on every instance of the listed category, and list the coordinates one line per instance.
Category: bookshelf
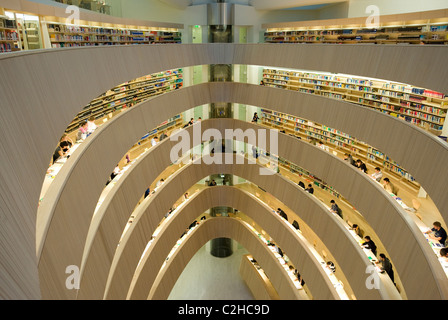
(127, 94)
(422, 107)
(62, 35)
(28, 31)
(424, 31)
(335, 140)
(9, 36)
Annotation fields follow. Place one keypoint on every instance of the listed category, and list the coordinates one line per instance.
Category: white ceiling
(257, 4)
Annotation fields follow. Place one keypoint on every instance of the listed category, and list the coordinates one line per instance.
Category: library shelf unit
(335, 140)
(27, 31)
(430, 27)
(422, 107)
(9, 36)
(62, 35)
(128, 94)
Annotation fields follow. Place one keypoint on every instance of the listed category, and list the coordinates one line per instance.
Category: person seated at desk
(160, 182)
(276, 248)
(301, 184)
(439, 233)
(282, 213)
(147, 192)
(82, 132)
(361, 165)
(386, 265)
(113, 174)
(63, 148)
(91, 126)
(444, 253)
(321, 145)
(154, 141)
(189, 123)
(310, 188)
(212, 183)
(389, 186)
(331, 266)
(335, 208)
(163, 136)
(348, 157)
(357, 230)
(255, 152)
(299, 277)
(128, 158)
(377, 175)
(369, 244)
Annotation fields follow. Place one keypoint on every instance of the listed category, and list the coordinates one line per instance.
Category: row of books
(425, 108)
(7, 47)
(9, 35)
(383, 98)
(345, 31)
(94, 30)
(96, 38)
(326, 135)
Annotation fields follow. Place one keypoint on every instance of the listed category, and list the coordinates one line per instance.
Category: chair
(416, 205)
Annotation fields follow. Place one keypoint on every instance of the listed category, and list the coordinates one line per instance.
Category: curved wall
(110, 134)
(354, 261)
(210, 229)
(49, 102)
(166, 239)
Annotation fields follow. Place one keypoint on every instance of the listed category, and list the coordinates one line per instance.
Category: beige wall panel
(353, 262)
(171, 231)
(208, 230)
(390, 234)
(325, 165)
(259, 286)
(113, 215)
(50, 102)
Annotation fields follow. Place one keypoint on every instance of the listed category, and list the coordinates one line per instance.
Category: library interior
(254, 149)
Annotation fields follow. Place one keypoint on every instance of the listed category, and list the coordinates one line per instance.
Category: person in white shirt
(377, 175)
(154, 141)
(159, 183)
(91, 126)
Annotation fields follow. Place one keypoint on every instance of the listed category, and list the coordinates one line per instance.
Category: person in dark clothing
(255, 118)
(310, 188)
(439, 233)
(386, 265)
(361, 165)
(369, 244)
(282, 213)
(63, 148)
(335, 208)
(331, 266)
